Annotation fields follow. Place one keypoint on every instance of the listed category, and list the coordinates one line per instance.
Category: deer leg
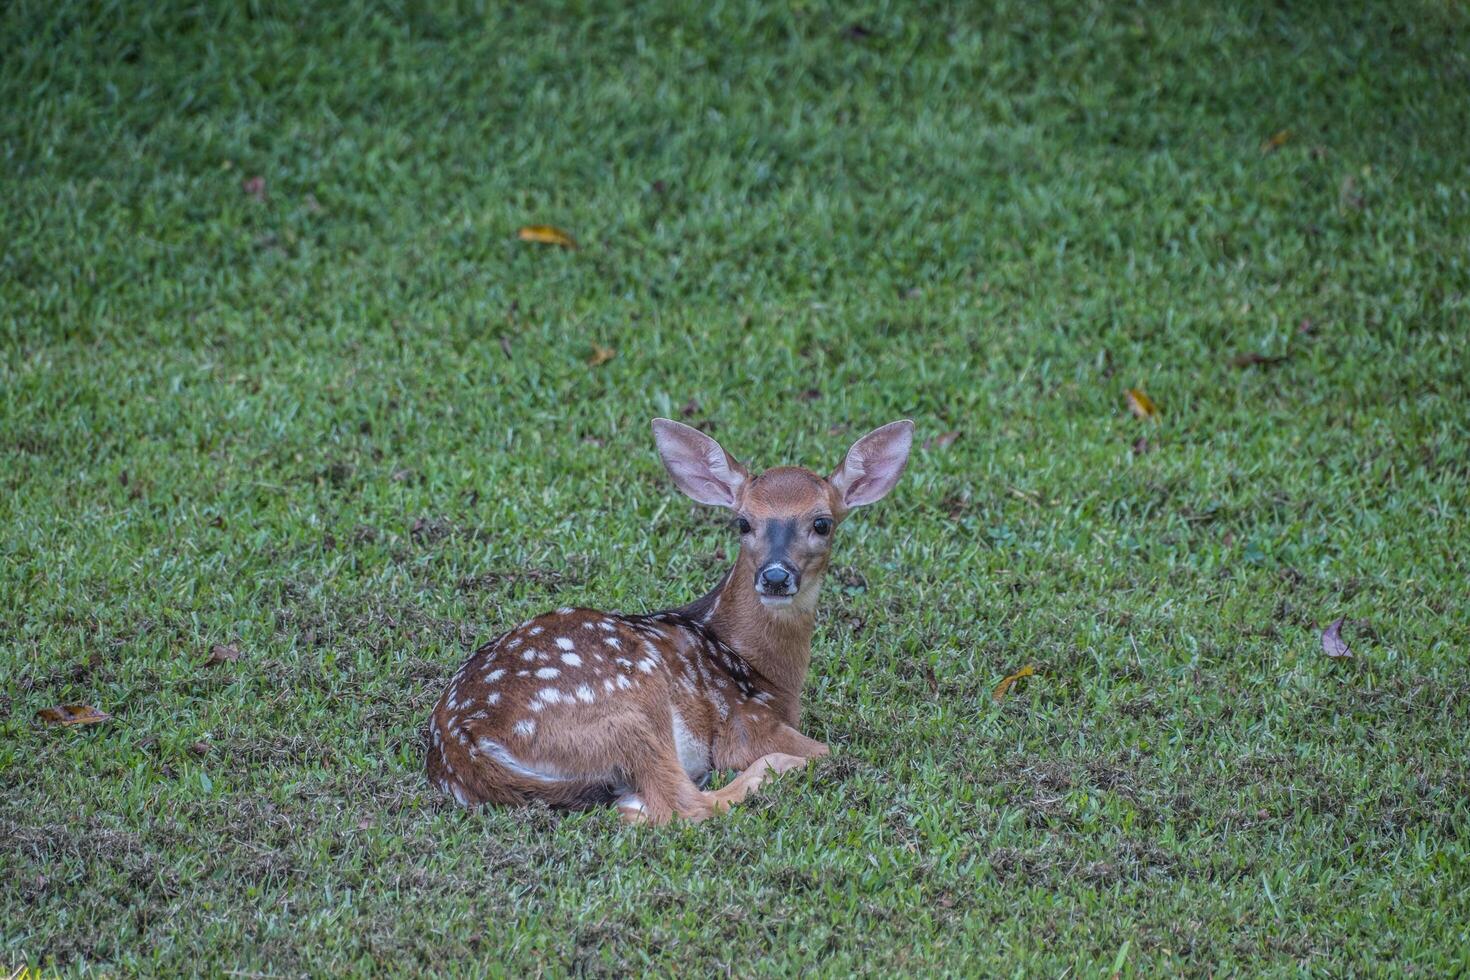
(662, 791)
(792, 742)
(754, 775)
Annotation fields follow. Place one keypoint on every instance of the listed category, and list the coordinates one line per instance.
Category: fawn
(578, 707)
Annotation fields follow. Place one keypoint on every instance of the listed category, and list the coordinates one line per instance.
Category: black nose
(777, 579)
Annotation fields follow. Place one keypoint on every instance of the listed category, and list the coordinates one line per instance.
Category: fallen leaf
(1004, 686)
(200, 748)
(601, 355)
(255, 187)
(72, 714)
(546, 235)
(1142, 405)
(931, 679)
(222, 653)
(1332, 642)
(1246, 359)
(1276, 141)
(942, 441)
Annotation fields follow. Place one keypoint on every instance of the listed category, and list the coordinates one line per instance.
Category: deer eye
(823, 526)
(743, 525)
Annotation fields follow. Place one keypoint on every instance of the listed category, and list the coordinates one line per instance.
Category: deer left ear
(874, 464)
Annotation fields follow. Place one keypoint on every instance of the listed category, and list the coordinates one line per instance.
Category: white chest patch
(693, 753)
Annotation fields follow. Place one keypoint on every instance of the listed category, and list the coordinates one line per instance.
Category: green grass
(291, 423)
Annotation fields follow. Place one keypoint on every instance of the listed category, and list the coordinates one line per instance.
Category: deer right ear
(700, 467)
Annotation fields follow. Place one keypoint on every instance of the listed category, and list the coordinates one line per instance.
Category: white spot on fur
(549, 695)
(623, 682)
(564, 611)
(547, 673)
(607, 626)
(495, 675)
(517, 641)
(565, 643)
(525, 726)
(584, 694)
(607, 685)
(720, 705)
(523, 673)
(633, 804)
(613, 642)
(492, 698)
(625, 663)
(502, 755)
(537, 630)
(646, 665)
(571, 660)
(528, 656)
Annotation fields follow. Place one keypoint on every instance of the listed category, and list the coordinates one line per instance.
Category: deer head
(787, 516)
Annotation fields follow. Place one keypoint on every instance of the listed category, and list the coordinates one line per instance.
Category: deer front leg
(784, 748)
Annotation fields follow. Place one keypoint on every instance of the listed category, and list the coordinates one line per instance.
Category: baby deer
(578, 707)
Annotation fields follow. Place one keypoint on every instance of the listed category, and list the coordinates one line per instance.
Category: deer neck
(777, 643)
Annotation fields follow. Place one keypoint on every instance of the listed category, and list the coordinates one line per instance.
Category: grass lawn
(278, 374)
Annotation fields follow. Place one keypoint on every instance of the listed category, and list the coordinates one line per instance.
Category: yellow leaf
(601, 355)
(72, 714)
(1277, 141)
(1004, 686)
(546, 235)
(1142, 405)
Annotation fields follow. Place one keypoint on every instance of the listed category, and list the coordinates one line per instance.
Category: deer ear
(874, 464)
(698, 465)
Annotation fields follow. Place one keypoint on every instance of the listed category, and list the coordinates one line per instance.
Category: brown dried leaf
(942, 441)
(222, 653)
(931, 680)
(1276, 141)
(73, 714)
(546, 235)
(1004, 687)
(1332, 641)
(601, 355)
(1141, 405)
